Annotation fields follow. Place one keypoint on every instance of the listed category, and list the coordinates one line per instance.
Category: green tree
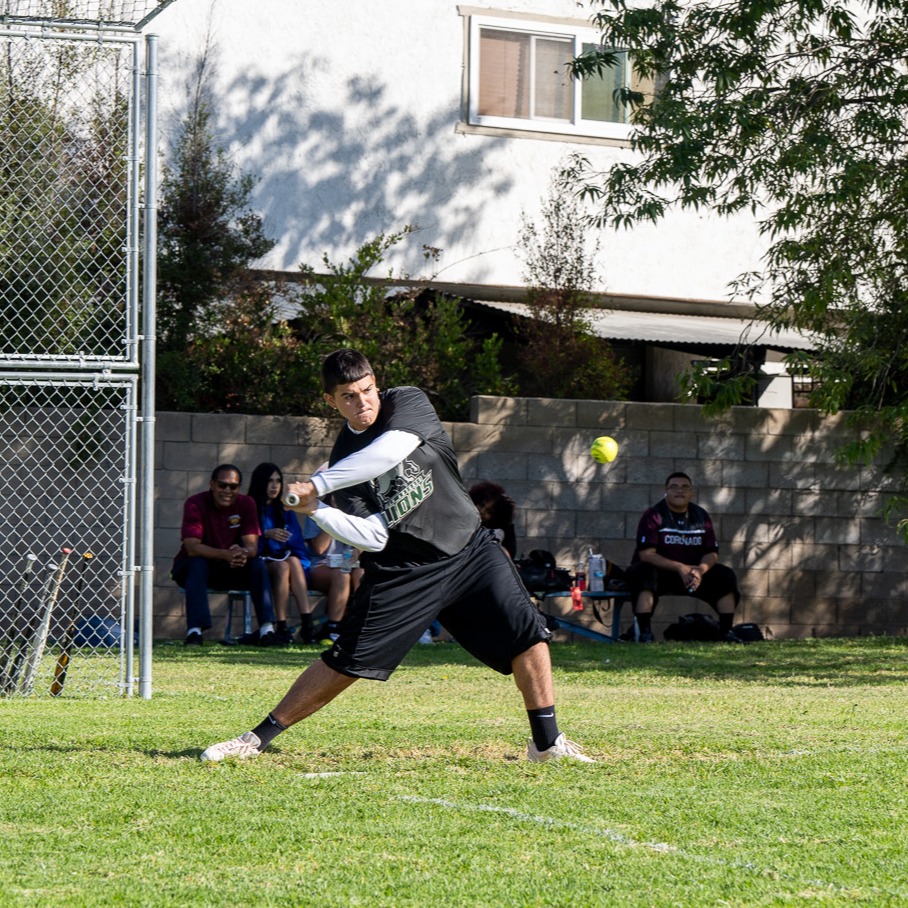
(254, 362)
(560, 355)
(412, 336)
(793, 111)
(266, 354)
(208, 233)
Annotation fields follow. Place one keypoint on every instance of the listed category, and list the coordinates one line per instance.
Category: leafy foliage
(254, 362)
(561, 357)
(266, 354)
(793, 111)
(410, 337)
(207, 232)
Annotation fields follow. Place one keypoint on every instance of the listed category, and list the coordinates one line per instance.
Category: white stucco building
(360, 118)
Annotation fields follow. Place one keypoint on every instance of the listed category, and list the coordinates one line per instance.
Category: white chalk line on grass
(620, 839)
(610, 834)
(328, 775)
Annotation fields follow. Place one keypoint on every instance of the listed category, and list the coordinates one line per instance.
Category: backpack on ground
(694, 627)
(749, 633)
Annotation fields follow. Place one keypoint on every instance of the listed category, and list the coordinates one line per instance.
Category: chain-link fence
(65, 236)
(70, 342)
(96, 13)
(67, 478)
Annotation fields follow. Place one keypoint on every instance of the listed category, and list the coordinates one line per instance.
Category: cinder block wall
(814, 556)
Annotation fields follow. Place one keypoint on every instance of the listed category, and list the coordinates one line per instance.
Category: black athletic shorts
(476, 594)
(718, 581)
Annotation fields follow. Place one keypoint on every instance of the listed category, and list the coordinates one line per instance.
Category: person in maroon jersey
(677, 555)
(220, 537)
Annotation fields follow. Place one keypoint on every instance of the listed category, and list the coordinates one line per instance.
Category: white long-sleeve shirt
(367, 533)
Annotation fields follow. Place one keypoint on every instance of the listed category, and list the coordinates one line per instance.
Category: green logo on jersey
(402, 490)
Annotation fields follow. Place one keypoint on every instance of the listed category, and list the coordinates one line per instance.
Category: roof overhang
(675, 329)
(707, 325)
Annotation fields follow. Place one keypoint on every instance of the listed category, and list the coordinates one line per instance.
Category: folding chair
(243, 597)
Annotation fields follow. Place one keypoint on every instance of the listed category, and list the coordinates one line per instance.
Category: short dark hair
(343, 367)
(679, 475)
(224, 468)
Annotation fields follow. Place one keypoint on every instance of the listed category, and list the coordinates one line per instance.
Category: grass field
(771, 774)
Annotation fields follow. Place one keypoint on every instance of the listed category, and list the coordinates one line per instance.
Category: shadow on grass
(824, 662)
(80, 747)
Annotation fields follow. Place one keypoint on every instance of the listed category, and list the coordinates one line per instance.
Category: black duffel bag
(540, 574)
(694, 627)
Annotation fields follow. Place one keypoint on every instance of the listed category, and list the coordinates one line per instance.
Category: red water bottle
(576, 598)
(580, 577)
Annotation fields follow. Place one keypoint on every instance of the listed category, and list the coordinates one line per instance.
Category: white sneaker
(427, 638)
(245, 746)
(562, 749)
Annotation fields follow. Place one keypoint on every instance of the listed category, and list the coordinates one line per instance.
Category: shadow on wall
(804, 533)
(376, 166)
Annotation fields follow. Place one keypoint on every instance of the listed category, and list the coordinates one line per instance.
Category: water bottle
(580, 576)
(347, 562)
(597, 573)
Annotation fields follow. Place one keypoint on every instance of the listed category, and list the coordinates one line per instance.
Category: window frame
(579, 35)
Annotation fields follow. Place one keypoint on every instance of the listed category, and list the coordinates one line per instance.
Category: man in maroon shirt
(677, 555)
(220, 534)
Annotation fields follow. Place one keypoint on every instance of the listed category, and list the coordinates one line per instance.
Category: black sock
(543, 726)
(281, 625)
(726, 619)
(306, 628)
(643, 622)
(268, 730)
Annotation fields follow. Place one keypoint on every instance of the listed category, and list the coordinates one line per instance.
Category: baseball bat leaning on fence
(24, 639)
(62, 665)
(38, 638)
(10, 645)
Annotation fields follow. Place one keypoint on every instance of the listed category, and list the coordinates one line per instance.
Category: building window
(519, 79)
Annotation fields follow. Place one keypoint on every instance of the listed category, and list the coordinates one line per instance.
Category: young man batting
(400, 499)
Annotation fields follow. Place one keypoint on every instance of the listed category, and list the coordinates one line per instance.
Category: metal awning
(674, 328)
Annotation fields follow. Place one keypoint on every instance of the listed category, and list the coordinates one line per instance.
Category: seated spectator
(282, 547)
(677, 555)
(496, 512)
(220, 536)
(327, 575)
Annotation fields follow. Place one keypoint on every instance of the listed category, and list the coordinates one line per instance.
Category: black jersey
(685, 540)
(423, 499)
